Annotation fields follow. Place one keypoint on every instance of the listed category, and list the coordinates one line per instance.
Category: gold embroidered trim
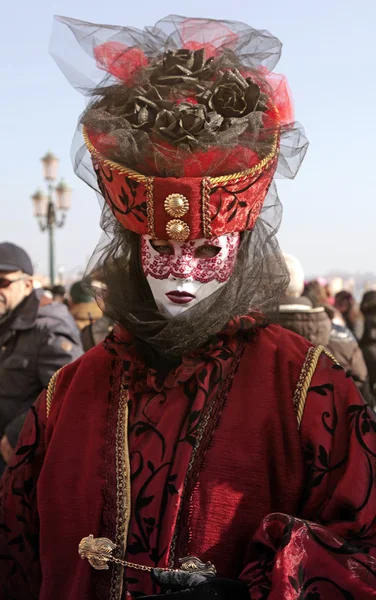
(305, 378)
(149, 184)
(51, 390)
(123, 492)
(329, 355)
(222, 179)
(206, 220)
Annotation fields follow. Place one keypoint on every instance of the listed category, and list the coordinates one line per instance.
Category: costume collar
(122, 343)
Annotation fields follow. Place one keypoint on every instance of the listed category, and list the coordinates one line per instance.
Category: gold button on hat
(177, 230)
(176, 205)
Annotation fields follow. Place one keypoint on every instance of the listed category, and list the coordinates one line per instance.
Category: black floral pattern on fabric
(166, 455)
(234, 201)
(335, 531)
(19, 523)
(125, 203)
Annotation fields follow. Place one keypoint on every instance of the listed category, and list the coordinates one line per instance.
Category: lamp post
(49, 212)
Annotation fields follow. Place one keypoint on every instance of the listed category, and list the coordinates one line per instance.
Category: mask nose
(183, 279)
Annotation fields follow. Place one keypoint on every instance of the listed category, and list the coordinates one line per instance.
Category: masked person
(195, 430)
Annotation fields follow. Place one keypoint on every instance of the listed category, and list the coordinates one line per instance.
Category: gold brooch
(177, 230)
(98, 551)
(192, 564)
(176, 205)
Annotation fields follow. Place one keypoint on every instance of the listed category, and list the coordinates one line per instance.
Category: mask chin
(164, 310)
(200, 291)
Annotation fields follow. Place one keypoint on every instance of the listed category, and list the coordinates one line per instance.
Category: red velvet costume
(218, 467)
(256, 452)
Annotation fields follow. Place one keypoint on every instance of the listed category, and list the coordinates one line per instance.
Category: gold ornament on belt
(176, 205)
(177, 230)
(98, 551)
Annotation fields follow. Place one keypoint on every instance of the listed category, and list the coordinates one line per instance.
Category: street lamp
(46, 209)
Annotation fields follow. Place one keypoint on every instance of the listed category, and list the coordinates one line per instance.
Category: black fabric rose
(182, 66)
(142, 108)
(234, 96)
(187, 124)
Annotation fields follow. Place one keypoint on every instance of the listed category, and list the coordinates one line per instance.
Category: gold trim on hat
(205, 199)
(221, 180)
(150, 206)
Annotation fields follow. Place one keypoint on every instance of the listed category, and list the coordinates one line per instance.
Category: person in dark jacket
(37, 337)
(321, 325)
(368, 341)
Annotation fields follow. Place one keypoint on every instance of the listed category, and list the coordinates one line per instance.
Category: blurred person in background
(327, 291)
(82, 305)
(96, 331)
(297, 312)
(313, 318)
(58, 294)
(37, 337)
(345, 304)
(368, 341)
(316, 293)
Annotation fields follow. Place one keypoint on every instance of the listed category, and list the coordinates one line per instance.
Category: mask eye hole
(207, 251)
(162, 247)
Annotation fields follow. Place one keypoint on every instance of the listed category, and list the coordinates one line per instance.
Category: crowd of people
(337, 322)
(220, 442)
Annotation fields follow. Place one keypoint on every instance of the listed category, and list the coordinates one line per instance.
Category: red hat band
(184, 208)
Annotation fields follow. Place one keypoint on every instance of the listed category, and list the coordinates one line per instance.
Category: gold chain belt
(98, 551)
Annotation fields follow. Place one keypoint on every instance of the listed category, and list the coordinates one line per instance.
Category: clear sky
(330, 59)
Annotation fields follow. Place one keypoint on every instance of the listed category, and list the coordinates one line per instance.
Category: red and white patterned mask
(180, 274)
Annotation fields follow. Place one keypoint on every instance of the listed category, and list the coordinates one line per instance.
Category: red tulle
(119, 60)
(102, 142)
(281, 95)
(217, 161)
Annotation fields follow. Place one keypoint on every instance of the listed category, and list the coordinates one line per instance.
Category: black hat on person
(13, 258)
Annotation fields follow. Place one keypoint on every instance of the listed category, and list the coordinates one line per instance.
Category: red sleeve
(328, 550)
(19, 524)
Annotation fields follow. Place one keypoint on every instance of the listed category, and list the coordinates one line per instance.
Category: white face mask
(181, 274)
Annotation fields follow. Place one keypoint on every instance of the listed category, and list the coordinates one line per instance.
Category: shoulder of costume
(74, 381)
(318, 375)
(295, 361)
(287, 345)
